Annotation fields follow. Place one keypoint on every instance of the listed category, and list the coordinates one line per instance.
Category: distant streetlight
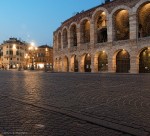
(32, 50)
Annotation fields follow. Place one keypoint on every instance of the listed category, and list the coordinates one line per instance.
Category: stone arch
(121, 61)
(85, 30)
(141, 2)
(65, 37)
(65, 64)
(74, 63)
(120, 22)
(144, 60)
(101, 61)
(99, 19)
(73, 23)
(100, 9)
(85, 62)
(73, 34)
(143, 19)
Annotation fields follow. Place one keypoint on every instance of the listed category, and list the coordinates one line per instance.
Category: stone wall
(133, 44)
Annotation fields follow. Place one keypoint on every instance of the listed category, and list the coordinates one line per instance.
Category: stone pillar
(92, 63)
(63, 65)
(110, 28)
(92, 34)
(133, 26)
(111, 64)
(134, 64)
(69, 39)
(70, 64)
(81, 63)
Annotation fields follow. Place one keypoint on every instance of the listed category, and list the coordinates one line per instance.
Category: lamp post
(32, 50)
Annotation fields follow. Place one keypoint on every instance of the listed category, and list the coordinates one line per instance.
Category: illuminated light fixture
(103, 13)
(103, 51)
(148, 48)
(14, 46)
(32, 43)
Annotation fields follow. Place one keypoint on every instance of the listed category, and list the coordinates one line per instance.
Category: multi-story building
(18, 54)
(12, 53)
(112, 37)
(43, 57)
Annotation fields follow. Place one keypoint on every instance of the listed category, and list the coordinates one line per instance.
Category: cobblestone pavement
(74, 104)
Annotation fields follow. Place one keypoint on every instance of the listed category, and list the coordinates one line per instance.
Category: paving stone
(119, 98)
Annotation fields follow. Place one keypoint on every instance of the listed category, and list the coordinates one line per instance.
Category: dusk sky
(35, 20)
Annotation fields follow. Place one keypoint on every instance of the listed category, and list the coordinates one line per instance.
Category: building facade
(112, 37)
(44, 57)
(16, 54)
(12, 53)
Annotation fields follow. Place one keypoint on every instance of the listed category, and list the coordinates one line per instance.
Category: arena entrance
(144, 61)
(102, 61)
(122, 62)
(75, 64)
(87, 63)
(66, 64)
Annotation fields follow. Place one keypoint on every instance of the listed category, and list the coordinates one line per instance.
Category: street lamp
(32, 50)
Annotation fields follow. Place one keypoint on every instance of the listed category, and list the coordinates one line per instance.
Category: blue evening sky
(35, 20)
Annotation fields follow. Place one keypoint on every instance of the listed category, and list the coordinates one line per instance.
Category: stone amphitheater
(112, 37)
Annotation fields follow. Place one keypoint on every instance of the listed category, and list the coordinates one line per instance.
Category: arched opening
(87, 63)
(102, 61)
(144, 20)
(85, 31)
(144, 61)
(122, 62)
(59, 41)
(65, 38)
(121, 25)
(101, 27)
(66, 64)
(75, 64)
(73, 35)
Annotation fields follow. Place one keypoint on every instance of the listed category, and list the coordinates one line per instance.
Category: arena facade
(112, 37)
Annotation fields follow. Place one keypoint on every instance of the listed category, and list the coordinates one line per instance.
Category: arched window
(65, 38)
(85, 31)
(73, 35)
(144, 21)
(121, 25)
(101, 28)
